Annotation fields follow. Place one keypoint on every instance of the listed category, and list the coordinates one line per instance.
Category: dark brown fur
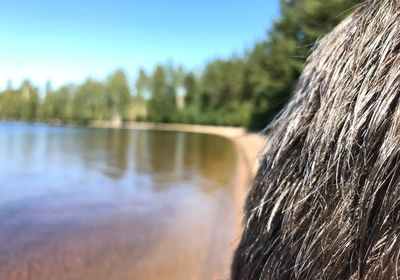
(325, 203)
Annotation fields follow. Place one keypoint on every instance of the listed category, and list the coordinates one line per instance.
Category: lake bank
(249, 143)
(248, 146)
(201, 241)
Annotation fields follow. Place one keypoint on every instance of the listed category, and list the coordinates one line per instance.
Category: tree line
(246, 90)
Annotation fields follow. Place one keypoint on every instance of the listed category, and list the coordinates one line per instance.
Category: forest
(244, 90)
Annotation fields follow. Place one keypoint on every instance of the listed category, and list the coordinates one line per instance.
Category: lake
(87, 203)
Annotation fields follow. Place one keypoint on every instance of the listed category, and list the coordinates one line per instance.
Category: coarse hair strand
(326, 199)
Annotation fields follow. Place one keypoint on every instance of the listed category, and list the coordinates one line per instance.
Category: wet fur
(325, 203)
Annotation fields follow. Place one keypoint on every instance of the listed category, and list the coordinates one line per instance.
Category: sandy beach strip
(248, 145)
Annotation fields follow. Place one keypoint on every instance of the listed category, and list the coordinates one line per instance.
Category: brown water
(79, 203)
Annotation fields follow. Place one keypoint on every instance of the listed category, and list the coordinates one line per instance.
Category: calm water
(79, 203)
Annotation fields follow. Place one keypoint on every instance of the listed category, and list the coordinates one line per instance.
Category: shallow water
(79, 203)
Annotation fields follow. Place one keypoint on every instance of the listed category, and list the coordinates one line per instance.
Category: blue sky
(68, 41)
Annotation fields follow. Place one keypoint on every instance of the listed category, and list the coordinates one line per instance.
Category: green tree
(190, 85)
(138, 107)
(222, 83)
(57, 104)
(11, 104)
(275, 64)
(142, 83)
(118, 95)
(29, 102)
(162, 102)
(90, 102)
(248, 90)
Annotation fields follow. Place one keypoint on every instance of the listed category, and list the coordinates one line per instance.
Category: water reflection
(75, 199)
(178, 156)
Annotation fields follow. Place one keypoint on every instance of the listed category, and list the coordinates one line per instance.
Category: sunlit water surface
(78, 203)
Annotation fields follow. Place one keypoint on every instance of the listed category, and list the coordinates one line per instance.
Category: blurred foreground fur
(326, 200)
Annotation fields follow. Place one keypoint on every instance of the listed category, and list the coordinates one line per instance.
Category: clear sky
(70, 40)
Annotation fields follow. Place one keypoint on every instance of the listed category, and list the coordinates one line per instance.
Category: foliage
(162, 102)
(275, 64)
(242, 91)
(57, 104)
(21, 103)
(118, 95)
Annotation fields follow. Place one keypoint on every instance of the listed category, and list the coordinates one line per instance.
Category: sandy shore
(174, 254)
(248, 146)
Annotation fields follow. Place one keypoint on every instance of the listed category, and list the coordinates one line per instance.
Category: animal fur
(325, 203)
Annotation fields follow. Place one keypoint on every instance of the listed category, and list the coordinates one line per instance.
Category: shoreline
(248, 143)
(247, 146)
